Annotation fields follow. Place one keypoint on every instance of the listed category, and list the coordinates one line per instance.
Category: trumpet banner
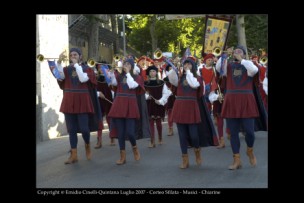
(54, 69)
(216, 33)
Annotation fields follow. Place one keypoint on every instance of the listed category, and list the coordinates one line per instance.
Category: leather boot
(152, 143)
(73, 157)
(198, 158)
(222, 143)
(136, 153)
(236, 162)
(251, 156)
(185, 163)
(98, 144)
(112, 143)
(122, 159)
(228, 136)
(170, 132)
(88, 151)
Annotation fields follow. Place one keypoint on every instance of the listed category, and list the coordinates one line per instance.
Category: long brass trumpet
(263, 60)
(41, 58)
(92, 63)
(217, 51)
(116, 58)
(158, 54)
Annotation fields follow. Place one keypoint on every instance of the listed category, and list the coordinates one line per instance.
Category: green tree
(173, 36)
(257, 32)
(176, 35)
(256, 28)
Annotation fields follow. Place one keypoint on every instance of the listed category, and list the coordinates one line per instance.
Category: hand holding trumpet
(62, 56)
(237, 56)
(220, 96)
(127, 68)
(73, 61)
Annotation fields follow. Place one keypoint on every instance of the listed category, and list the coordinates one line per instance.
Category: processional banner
(216, 33)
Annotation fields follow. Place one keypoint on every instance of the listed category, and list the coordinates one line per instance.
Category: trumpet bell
(263, 60)
(216, 51)
(158, 54)
(91, 63)
(116, 58)
(40, 58)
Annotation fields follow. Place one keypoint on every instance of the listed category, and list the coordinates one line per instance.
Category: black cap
(151, 68)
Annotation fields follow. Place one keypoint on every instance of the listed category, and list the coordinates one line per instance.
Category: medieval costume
(188, 112)
(157, 94)
(240, 106)
(79, 103)
(124, 111)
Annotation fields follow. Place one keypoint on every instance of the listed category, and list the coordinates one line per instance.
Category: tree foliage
(176, 35)
(256, 29)
(172, 36)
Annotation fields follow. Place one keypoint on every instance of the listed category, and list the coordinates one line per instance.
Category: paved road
(158, 167)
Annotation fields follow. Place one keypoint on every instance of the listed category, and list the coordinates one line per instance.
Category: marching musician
(187, 111)
(143, 63)
(216, 98)
(239, 105)
(142, 127)
(171, 99)
(207, 73)
(160, 65)
(105, 99)
(79, 103)
(265, 83)
(262, 72)
(124, 110)
(157, 94)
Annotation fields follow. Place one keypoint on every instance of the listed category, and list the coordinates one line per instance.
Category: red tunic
(207, 74)
(209, 79)
(143, 74)
(239, 99)
(185, 109)
(125, 103)
(76, 97)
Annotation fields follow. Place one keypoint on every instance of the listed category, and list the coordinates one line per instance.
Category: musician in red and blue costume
(262, 73)
(104, 93)
(239, 106)
(79, 104)
(124, 110)
(187, 111)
